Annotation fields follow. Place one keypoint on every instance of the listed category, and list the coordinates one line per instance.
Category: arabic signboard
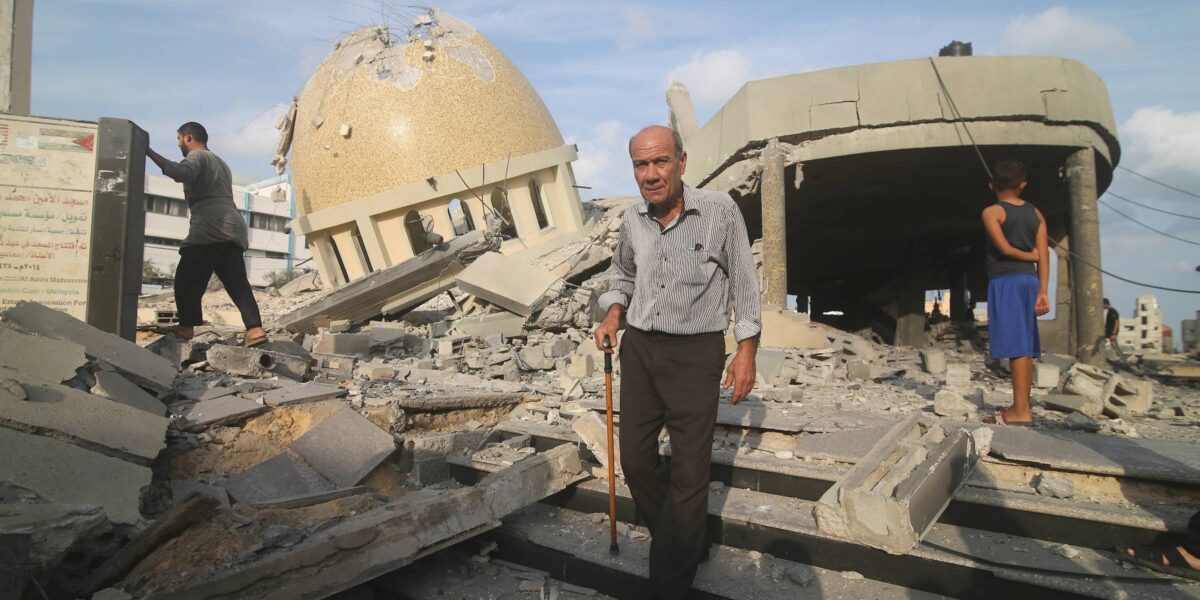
(47, 175)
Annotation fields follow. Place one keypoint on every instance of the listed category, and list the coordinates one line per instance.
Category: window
(460, 217)
(270, 254)
(166, 206)
(268, 222)
(415, 228)
(540, 210)
(500, 205)
(162, 241)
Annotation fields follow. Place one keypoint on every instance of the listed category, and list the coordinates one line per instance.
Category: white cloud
(639, 27)
(1058, 31)
(712, 78)
(603, 161)
(254, 137)
(1159, 140)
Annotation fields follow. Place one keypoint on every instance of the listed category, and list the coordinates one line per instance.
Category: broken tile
(218, 411)
(345, 447)
(507, 282)
(280, 477)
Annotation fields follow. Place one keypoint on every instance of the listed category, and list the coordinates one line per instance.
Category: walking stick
(612, 481)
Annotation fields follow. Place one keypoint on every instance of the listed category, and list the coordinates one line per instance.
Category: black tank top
(1020, 229)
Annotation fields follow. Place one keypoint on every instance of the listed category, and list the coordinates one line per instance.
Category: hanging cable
(1153, 180)
(954, 109)
(1166, 212)
(1158, 231)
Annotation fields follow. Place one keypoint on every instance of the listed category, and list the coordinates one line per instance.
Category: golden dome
(387, 108)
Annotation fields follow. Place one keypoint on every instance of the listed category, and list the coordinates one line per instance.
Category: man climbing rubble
(217, 235)
(682, 259)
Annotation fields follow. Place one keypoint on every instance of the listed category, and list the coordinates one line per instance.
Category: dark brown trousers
(673, 380)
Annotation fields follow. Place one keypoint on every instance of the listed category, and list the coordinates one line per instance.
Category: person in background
(1112, 326)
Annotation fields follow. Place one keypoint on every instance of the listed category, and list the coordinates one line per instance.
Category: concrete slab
(218, 411)
(40, 357)
(345, 447)
(789, 329)
(131, 433)
(179, 354)
(507, 325)
(1063, 402)
(1158, 460)
(512, 284)
(842, 446)
(115, 387)
(139, 364)
(769, 363)
(342, 343)
(283, 476)
(1045, 376)
(297, 394)
(593, 432)
(933, 361)
(741, 415)
(67, 474)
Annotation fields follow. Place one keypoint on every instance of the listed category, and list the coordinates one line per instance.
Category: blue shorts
(1012, 326)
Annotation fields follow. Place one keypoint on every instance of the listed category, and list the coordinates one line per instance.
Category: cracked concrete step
(282, 476)
(40, 357)
(115, 387)
(298, 393)
(345, 447)
(220, 410)
(141, 365)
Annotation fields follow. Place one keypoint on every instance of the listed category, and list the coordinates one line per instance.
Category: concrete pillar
(773, 201)
(1087, 292)
(958, 295)
(681, 114)
(1058, 335)
(16, 55)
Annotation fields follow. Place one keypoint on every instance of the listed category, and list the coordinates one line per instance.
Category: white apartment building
(1142, 332)
(267, 205)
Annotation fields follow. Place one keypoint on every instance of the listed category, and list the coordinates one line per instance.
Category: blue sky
(601, 68)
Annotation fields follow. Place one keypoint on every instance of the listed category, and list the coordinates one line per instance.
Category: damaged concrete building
(863, 184)
(380, 161)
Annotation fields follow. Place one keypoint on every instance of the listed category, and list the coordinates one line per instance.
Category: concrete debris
(593, 431)
(515, 285)
(140, 365)
(958, 376)
(115, 387)
(297, 393)
(949, 403)
(1109, 393)
(1054, 485)
(221, 410)
(858, 370)
(345, 447)
(790, 329)
(40, 358)
(933, 361)
(894, 495)
(342, 343)
(1045, 376)
(286, 475)
(253, 362)
(309, 281)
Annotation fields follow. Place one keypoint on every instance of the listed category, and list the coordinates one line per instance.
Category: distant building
(1142, 333)
(267, 205)
(1168, 340)
(1189, 334)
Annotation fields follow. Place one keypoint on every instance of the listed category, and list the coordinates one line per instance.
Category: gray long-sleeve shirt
(208, 189)
(684, 278)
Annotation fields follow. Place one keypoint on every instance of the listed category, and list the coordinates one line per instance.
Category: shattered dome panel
(390, 107)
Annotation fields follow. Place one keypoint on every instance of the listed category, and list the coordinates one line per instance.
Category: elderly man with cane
(682, 261)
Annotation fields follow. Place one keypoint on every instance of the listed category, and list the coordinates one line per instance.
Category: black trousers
(196, 266)
(673, 380)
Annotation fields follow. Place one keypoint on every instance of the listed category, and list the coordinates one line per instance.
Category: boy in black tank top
(1018, 263)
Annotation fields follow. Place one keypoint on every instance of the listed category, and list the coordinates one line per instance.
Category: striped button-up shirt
(683, 278)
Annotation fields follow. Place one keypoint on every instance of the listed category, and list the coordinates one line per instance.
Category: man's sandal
(251, 342)
(997, 418)
(1151, 558)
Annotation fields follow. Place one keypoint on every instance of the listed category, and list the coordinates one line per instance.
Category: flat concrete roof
(1007, 101)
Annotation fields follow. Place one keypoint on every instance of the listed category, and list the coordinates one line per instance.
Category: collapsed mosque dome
(390, 107)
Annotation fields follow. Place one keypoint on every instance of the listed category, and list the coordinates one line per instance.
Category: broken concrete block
(280, 477)
(180, 490)
(450, 345)
(559, 348)
(345, 447)
(180, 354)
(1077, 421)
(305, 282)
(769, 362)
(298, 394)
(40, 358)
(1054, 485)
(63, 473)
(790, 329)
(958, 376)
(506, 325)
(933, 361)
(115, 387)
(137, 363)
(219, 411)
(252, 362)
(1124, 396)
(1070, 403)
(131, 432)
(507, 282)
(852, 346)
(1064, 362)
(372, 371)
(339, 325)
(593, 431)
(948, 403)
(336, 367)
(55, 530)
(581, 366)
(894, 495)
(1089, 382)
(858, 370)
(533, 358)
(1045, 376)
(342, 343)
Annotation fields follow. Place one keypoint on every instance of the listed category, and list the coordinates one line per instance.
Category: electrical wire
(1167, 212)
(958, 116)
(1153, 180)
(1159, 232)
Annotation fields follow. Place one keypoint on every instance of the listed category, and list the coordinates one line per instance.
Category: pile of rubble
(207, 469)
